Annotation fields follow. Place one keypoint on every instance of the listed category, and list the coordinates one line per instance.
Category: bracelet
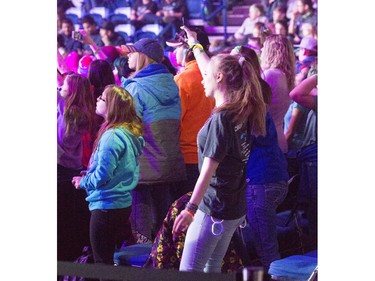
(197, 46)
(97, 51)
(190, 213)
(191, 207)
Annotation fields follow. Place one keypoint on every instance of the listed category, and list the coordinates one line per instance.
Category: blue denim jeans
(262, 201)
(206, 243)
(308, 189)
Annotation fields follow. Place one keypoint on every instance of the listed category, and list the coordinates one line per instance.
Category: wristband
(190, 213)
(191, 207)
(97, 51)
(197, 46)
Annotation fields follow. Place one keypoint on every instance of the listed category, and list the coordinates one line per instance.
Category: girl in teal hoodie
(113, 172)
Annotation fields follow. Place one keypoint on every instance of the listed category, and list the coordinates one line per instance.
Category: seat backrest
(124, 35)
(124, 11)
(97, 18)
(155, 28)
(127, 28)
(194, 9)
(103, 11)
(117, 19)
(144, 34)
(74, 10)
(73, 17)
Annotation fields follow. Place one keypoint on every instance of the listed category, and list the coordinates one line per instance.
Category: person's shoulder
(221, 115)
(272, 72)
(113, 135)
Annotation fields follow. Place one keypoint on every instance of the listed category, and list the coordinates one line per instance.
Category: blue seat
(133, 255)
(139, 34)
(124, 35)
(117, 19)
(97, 18)
(73, 17)
(194, 8)
(295, 268)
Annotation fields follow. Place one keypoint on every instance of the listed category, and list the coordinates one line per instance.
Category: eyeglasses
(100, 97)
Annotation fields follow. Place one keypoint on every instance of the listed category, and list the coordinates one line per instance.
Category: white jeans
(207, 242)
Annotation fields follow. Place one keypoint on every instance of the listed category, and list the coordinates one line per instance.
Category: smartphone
(77, 35)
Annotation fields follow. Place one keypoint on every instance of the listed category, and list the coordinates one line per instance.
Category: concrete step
(219, 30)
(233, 20)
(241, 10)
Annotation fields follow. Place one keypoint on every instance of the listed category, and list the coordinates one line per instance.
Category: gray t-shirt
(311, 129)
(228, 144)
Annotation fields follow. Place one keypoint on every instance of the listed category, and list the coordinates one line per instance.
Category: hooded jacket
(113, 170)
(157, 101)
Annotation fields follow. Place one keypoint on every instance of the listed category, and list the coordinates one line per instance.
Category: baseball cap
(309, 43)
(148, 46)
(84, 64)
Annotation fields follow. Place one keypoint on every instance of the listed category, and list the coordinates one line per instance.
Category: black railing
(102, 271)
(221, 8)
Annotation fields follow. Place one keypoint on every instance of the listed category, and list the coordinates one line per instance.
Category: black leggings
(108, 230)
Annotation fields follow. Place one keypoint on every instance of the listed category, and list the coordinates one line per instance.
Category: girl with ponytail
(218, 203)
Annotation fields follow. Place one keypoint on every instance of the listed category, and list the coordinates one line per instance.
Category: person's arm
(200, 55)
(292, 22)
(239, 34)
(304, 93)
(61, 64)
(185, 218)
(62, 69)
(294, 122)
(97, 51)
(108, 155)
(133, 12)
(183, 95)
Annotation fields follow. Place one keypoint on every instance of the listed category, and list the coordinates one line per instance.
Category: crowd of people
(229, 127)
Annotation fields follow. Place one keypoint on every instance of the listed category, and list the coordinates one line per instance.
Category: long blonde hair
(121, 112)
(142, 62)
(278, 53)
(244, 98)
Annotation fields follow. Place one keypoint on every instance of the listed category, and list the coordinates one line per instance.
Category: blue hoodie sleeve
(134, 89)
(106, 160)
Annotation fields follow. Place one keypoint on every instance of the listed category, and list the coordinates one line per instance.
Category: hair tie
(237, 49)
(241, 60)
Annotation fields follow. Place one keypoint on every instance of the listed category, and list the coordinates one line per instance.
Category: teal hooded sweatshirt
(113, 170)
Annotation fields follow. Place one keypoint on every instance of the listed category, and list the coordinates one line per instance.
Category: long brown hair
(79, 107)
(252, 57)
(278, 53)
(100, 75)
(121, 112)
(244, 99)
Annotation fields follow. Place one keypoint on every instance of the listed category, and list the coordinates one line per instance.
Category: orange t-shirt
(196, 108)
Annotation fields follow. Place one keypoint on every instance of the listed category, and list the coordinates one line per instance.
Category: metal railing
(221, 8)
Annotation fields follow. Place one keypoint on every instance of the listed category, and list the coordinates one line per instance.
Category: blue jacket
(267, 163)
(155, 93)
(157, 101)
(113, 170)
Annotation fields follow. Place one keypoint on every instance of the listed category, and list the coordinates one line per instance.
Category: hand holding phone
(77, 35)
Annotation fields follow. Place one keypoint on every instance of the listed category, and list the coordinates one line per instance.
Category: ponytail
(244, 94)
